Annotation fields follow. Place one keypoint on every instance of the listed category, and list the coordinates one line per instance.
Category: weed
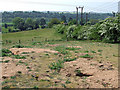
(25, 52)
(93, 51)
(35, 87)
(86, 51)
(19, 57)
(6, 61)
(4, 82)
(67, 82)
(56, 65)
(6, 52)
(76, 52)
(33, 52)
(64, 85)
(86, 56)
(72, 48)
(69, 59)
(61, 49)
(13, 77)
(20, 61)
(77, 71)
(55, 53)
(100, 50)
(6, 87)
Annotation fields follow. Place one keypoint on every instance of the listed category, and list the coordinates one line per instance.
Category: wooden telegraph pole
(86, 17)
(81, 15)
(77, 15)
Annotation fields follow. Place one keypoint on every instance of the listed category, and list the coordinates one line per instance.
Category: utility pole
(77, 16)
(86, 17)
(81, 15)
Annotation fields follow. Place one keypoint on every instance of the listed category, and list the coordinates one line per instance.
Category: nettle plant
(109, 30)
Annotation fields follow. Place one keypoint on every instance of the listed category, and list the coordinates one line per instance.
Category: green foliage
(67, 82)
(6, 52)
(69, 59)
(13, 77)
(56, 65)
(106, 30)
(86, 56)
(53, 21)
(62, 50)
(78, 71)
(19, 23)
(19, 57)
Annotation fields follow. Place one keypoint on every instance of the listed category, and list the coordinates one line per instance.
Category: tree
(42, 22)
(53, 21)
(19, 23)
(29, 24)
(63, 19)
(35, 24)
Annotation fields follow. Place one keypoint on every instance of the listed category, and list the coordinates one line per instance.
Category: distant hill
(8, 16)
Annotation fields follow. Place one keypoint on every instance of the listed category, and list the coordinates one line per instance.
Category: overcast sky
(59, 5)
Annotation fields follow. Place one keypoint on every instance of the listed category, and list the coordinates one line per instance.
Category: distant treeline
(9, 16)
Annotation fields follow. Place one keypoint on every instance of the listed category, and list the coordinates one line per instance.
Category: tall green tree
(29, 24)
(19, 23)
(42, 22)
(53, 21)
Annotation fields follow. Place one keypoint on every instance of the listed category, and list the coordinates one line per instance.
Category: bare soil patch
(17, 51)
(97, 74)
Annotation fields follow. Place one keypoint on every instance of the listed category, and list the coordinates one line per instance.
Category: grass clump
(86, 56)
(72, 48)
(56, 65)
(6, 61)
(69, 59)
(19, 57)
(67, 82)
(100, 50)
(13, 77)
(6, 52)
(62, 50)
(93, 51)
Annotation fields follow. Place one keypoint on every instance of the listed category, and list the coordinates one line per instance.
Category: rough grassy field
(43, 59)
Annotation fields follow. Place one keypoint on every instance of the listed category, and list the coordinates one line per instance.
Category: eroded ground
(77, 72)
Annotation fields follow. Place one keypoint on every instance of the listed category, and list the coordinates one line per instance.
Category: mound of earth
(17, 51)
